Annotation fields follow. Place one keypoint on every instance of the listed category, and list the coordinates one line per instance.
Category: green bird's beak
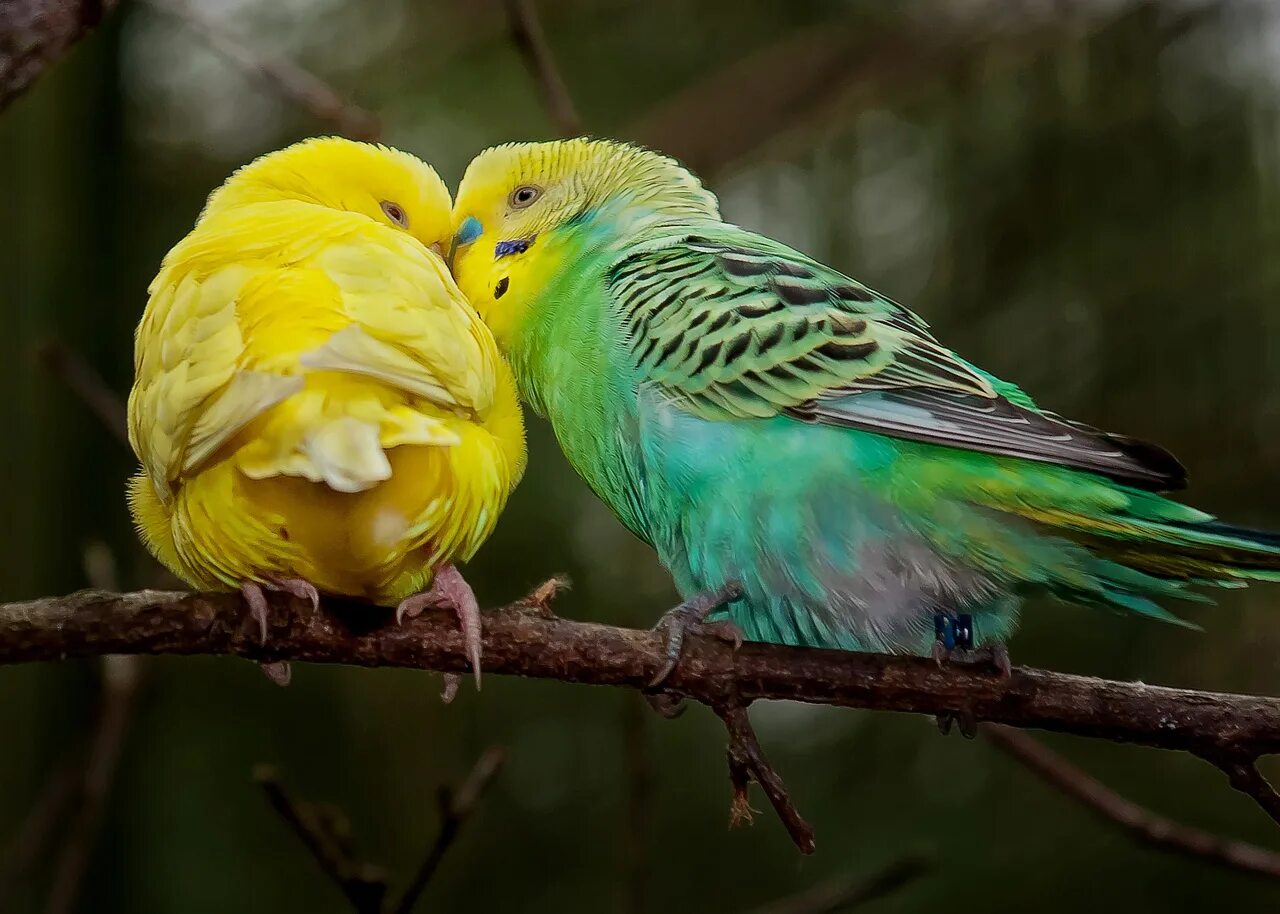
(469, 231)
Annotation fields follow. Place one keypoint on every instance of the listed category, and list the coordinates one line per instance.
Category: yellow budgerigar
(316, 407)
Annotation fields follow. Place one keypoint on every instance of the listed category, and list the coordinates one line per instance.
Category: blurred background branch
(325, 831)
(531, 41)
(35, 34)
(848, 893)
(1144, 825)
(297, 84)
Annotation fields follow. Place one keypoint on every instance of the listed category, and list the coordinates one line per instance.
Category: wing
(410, 325)
(250, 301)
(732, 325)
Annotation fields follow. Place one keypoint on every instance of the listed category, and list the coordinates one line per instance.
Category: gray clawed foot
(995, 655)
(690, 617)
(966, 720)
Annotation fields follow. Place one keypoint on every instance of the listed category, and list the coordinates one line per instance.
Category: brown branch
(528, 643)
(323, 829)
(83, 380)
(279, 73)
(35, 34)
(37, 830)
(1243, 773)
(1147, 827)
(842, 895)
(363, 884)
(121, 678)
(531, 41)
(455, 808)
(747, 763)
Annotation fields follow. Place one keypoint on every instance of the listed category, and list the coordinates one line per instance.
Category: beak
(468, 231)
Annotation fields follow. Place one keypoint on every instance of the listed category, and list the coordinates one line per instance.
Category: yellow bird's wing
(410, 326)
(253, 299)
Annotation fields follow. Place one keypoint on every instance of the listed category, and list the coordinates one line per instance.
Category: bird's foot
(690, 618)
(277, 671)
(965, 720)
(303, 590)
(954, 644)
(450, 590)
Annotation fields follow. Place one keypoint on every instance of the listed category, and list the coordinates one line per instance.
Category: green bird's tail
(1159, 548)
(1206, 552)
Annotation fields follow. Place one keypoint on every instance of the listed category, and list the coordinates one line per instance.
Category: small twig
(37, 830)
(121, 677)
(455, 807)
(1146, 826)
(281, 74)
(35, 34)
(747, 762)
(363, 884)
(531, 42)
(1245, 777)
(83, 380)
(843, 895)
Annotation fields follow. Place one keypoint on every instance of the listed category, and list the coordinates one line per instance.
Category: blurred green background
(1083, 197)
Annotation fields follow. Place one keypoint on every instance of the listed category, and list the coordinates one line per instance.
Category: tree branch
(455, 808)
(747, 763)
(281, 74)
(35, 34)
(1242, 771)
(527, 642)
(121, 678)
(842, 895)
(364, 885)
(83, 380)
(1146, 826)
(531, 42)
(38, 828)
(90, 623)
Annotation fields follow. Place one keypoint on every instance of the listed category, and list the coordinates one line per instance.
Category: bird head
(391, 187)
(515, 199)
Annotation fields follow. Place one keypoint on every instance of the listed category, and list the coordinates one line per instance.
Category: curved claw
(450, 589)
(278, 671)
(303, 590)
(258, 608)
(690, 616)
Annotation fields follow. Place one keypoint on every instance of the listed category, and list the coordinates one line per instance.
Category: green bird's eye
(524, 196)
(395, 212)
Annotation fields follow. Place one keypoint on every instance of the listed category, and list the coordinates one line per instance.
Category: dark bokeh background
(1083, 197)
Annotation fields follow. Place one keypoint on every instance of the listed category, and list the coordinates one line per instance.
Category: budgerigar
(316, 407)
(798, 448)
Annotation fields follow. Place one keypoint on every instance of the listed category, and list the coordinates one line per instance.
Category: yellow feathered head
(513, 196)
(387, 185)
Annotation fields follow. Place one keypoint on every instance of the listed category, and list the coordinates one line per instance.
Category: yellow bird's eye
(524, 196)
(395, 212)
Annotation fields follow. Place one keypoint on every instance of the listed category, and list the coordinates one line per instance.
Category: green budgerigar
(799, 449)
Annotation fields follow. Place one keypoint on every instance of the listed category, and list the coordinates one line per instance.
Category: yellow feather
(314, 398)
